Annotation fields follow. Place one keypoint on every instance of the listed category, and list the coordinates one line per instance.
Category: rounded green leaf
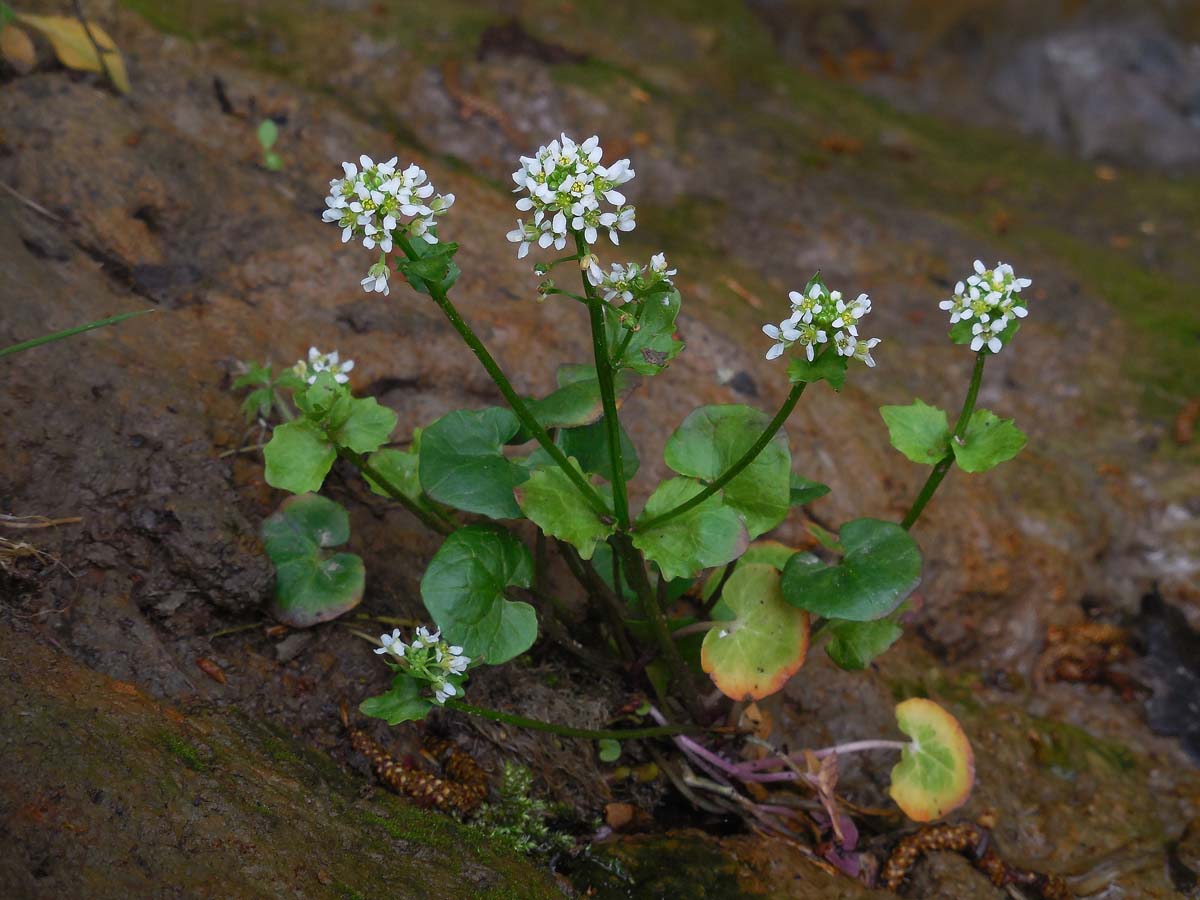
(551, 501)
(464, 587)
(989, 441)
(852, 645)
(462, 464)
(298, 456)
(919, 431)
(771, 553)
(937, 769)
(361, 424)
(653, 345)
(754, 654)
(268, 133)
(403, 703)
(610, 750)
(881, 567)
(713, 438)
(589, 445)
(710, 534)
(312, 585)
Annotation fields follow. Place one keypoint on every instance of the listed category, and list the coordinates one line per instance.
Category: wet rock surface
(751, 174)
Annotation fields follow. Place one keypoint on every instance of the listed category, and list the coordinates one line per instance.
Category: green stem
(734, 470)
(629, 332)
(71, 332)
(943, 465)
(608, 396)
(594, 734)
(635, 574)
(430, 520)
(531, 424)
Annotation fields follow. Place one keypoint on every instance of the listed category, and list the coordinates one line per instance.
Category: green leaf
(462, 463)
(319, 400)
(771, 553)
(610, 750)
(989, 441)
(936, 771)
(298, 457)
(272, 161)
(804, 491)
(881, 567)
(403, 703)
(852, 645)
(577, 401)
(551, 501)
(255, 375)
(268, 133)
(712, 438)
(763, 645)
(709, 534)
(311, 585)
(919, 431)
(654, 344)
(360, 423)
(464, 587)
(589, 445)
(829, 366)
(433, 263)
(400, 469)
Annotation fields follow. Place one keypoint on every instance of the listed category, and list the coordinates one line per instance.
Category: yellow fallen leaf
(74, 48)
(17, 49)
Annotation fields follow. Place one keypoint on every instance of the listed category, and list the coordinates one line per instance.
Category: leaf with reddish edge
(937, 769)
(752, 655)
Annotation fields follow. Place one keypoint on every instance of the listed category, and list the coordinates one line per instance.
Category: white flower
(423, 637)
(819, 317)
(626, 282)
(377, 279)
(319, 362)
(392, 644)
(375, 203)
(658, 264)
(563, 185)
(990, 297)
(443, 690)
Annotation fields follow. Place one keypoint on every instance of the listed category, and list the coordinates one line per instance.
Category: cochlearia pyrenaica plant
(686, 586)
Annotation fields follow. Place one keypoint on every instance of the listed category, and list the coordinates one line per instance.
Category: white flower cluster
(428, 658)
(623, 282)
(376, 201)
(821, 316)
(991, 297)
(565, 184)
(319, 362)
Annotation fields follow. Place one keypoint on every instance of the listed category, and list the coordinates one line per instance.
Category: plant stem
(635, 574)
(720, 588)
(734, 470)
(531, 424)
(629, 332)
(430, 520)
(71, 332)
(608, 396)
(750, 769)
(694, 628)
(595, 734)
(587, 575)
(943, 465)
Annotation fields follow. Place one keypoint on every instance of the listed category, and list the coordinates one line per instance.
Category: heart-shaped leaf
(464, 588)
(771, 553)
(589, 445)
(298, 457)
(312, 585)
(881, 567)
(805, 491)
(713, 438)
(754, 654)
(653, 345)
(551, 501)
(936, 771)
(989, 441)
(403, 703)
(852, 645)
(919, 431)
(709, 534)
(462, 463)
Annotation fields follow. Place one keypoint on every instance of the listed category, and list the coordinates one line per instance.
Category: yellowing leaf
(937, 769)
(74, 49)
(17, 49)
